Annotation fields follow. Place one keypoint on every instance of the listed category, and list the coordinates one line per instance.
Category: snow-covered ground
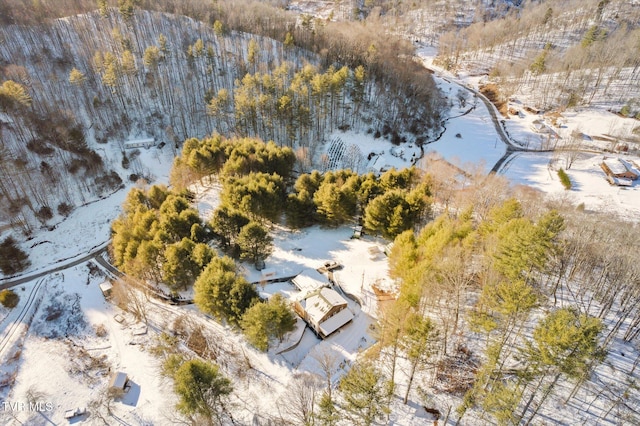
(581, 135)
(64, 363)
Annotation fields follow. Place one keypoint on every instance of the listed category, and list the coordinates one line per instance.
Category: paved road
(511, 147)
(12, 282)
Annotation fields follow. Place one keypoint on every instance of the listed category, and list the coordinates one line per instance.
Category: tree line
(265, 190)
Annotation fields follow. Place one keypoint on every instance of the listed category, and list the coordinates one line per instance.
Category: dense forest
(96, 80)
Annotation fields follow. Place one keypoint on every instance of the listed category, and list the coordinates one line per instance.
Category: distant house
(616, 168)
(324, 310)
(140, 143)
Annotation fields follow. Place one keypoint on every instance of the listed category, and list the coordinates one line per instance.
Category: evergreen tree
(151, 57)
(364, 393)
(8, 298)
(227, 224)
(565, 343)
(394, 212)
(261, 195)
(179, 269)
(255, 242)
(12, 258)
(265, 321)
(13, 95)
(222, 291)
(327, 414)
(203, 392)
(103, 8)
(336, 198)
(76, 77)
(418, 343)
(301, 209)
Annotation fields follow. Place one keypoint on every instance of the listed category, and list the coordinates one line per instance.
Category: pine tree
(151, 57)
(418, 343)
(222, 291)
(363, 391)
(203, 391)
(255, 242)
(12, 258)
(103, 8)
(265, 321)
(13, 94)
(289, 41)
(77, 77)
(565, 343)
(227, 224)
(327, 414)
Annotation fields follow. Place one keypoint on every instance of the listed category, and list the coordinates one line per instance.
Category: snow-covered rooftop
(309, 280)
(335, 322)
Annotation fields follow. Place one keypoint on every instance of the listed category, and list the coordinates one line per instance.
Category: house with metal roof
(324, 310)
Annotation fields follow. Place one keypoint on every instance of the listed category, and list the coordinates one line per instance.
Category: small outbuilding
(309, 280)
(140, 143)
(76, 412)
(119, 382)
(619, 169)
(106, 288)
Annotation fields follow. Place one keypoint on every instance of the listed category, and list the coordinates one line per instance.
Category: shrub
(65, 209)
(101, 330)
(564, 179)
(44, 213)
(9, 299)
(625, 111)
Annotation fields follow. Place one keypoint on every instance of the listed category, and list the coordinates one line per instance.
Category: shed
(140, 143)
(106, 288)
(618, 168)
(309, 280)
(119, 381)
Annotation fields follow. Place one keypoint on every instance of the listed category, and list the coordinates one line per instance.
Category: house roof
(105, 286)
(335, 322)
(615, 166)
(317, 303)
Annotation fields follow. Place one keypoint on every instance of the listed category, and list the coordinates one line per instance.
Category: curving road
(12, 282)
(511, 147)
